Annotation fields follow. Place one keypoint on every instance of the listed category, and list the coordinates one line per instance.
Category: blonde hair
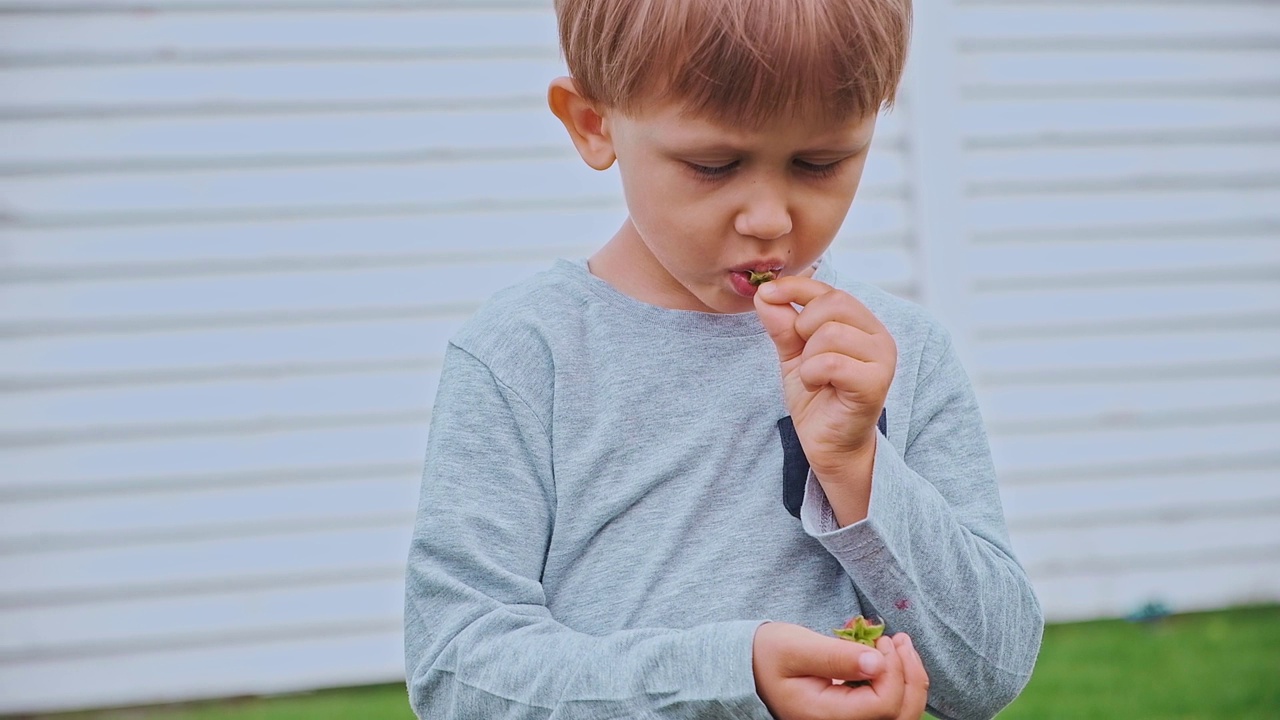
(743, 62)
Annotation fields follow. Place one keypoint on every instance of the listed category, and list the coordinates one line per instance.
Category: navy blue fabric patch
(795, 466)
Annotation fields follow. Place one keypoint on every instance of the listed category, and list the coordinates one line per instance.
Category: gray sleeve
(933, 557)
(479, 640)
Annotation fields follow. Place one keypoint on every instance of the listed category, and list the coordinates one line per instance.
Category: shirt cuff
(731, 645)
(891, 489)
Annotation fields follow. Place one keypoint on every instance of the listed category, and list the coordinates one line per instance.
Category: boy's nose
(766, 217)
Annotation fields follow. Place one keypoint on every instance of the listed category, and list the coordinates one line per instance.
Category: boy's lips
(742, 285)
(740, 275)
(766, 265)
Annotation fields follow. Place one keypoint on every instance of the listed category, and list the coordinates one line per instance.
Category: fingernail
(768, 289)
(871, 663)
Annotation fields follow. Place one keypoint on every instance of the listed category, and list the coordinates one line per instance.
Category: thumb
(833, 658)
(779, 319)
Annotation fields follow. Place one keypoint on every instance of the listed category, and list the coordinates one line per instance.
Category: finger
(819, 656)
(845, 339)
(915, 680)
(793, 289)
(774, 306)
(779, 321)
(889, 687)
(838, 306)
(861, 379)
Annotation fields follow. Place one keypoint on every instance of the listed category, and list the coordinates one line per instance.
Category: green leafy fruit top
(861, 630)
(760, 278)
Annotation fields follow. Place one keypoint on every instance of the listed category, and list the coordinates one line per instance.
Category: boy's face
(708, 202)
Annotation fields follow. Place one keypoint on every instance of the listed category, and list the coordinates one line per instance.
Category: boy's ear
(585, 125)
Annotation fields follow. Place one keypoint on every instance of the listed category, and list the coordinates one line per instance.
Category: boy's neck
(626, 263)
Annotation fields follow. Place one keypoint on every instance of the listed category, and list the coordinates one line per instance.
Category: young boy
(653, 488)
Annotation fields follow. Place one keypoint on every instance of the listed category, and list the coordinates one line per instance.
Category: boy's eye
(819, 169)
(713, 171)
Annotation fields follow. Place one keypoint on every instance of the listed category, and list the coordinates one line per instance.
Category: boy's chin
(731, 302)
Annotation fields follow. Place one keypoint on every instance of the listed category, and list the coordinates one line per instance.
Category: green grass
(1203, 666)
(381, 702)
(1211, 666)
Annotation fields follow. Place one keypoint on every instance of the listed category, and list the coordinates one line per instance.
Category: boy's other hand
(838, 361)
(795, 669)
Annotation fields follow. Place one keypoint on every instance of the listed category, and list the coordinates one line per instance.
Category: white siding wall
(1121, 175)
(234, 235)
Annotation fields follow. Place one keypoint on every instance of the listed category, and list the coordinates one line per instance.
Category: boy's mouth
(746, 279)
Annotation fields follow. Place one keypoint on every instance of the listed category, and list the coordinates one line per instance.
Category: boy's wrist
(848, 485)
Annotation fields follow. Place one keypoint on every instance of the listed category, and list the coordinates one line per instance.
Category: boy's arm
(933, 558)
(479, 640)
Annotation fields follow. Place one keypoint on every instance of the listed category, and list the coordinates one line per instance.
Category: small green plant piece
(860, 630)
(760, 278)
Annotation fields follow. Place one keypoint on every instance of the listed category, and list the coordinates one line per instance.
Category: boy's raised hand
(795, 669)
(837, 363)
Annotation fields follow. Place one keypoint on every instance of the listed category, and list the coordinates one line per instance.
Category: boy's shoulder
(522, 318)
(910, 324)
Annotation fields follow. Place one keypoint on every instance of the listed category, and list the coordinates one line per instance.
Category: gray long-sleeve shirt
(602, 528)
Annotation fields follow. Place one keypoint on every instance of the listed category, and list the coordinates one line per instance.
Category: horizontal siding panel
(240, 247)
(165, 37)
(1185, 586)
(301, 82)
(319, 657)
(160, 517)
(239, 427)
(237, 348)
(1089, 502)
(144, 144)
(319, 291)
(291, 6)
(301, 189)
(1046, 120)
(386, 391)
(34, 147)
(1062, 212)
(118, 627)
(193, 480)
(1049, 69)
(1028, 170)
(1146, 303)
(140, 325)
(1079, 547)
(1031, 454)
(1032, 23)
(1114, 403)
(178, 563)
(1102, 261)
(83, 458)
(1124, 351)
